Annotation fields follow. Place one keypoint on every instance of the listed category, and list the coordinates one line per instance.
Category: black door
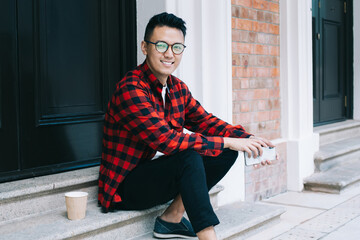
(330, 60)
(67, 56)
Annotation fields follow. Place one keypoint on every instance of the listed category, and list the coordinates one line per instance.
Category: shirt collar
(154, 82)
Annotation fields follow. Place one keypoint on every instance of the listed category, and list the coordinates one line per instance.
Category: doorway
(332, 60)
(60, 61)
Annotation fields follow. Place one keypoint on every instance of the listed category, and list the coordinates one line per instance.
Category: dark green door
(329, 60)
(66, 58)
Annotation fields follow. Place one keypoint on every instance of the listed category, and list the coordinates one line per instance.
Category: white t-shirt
(163, 93)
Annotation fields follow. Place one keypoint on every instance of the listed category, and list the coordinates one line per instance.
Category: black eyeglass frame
(168, 45)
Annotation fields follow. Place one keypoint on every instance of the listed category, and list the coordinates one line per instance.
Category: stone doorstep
(336, 179)
(338, 152)
(34, 196)
(55, 225)
(23, 198)
(38, 185)
(338, 131)
(240, 220)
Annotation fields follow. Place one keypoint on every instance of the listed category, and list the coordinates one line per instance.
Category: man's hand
(249, 145)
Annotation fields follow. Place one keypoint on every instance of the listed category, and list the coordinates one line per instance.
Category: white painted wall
(356, 59)
(296, 90)
(205, 66)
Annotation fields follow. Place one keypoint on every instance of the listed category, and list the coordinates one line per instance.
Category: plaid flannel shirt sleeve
(135, 112)
(200, 121)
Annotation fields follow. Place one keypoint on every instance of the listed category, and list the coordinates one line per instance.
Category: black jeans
(186, 173)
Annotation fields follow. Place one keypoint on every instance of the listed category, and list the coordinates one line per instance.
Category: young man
(147, 160)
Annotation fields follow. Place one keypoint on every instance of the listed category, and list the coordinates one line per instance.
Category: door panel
(70, 59)
(8, 85)
(329, 60)
(61, 119)
(62, 60)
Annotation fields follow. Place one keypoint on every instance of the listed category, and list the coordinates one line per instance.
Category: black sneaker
(182, 229)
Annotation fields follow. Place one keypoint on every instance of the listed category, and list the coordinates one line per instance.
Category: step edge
(328, 129)
(322, 155)
(47, 183)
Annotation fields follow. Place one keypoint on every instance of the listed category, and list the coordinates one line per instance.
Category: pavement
(315, 215)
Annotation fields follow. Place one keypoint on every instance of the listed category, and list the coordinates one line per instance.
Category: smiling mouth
(167, 63)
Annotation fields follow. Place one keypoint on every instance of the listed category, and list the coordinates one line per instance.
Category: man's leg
(161, 180)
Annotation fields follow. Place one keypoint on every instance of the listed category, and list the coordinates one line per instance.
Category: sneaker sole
(165, 236)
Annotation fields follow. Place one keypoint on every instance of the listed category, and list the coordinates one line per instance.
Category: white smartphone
(269, 154)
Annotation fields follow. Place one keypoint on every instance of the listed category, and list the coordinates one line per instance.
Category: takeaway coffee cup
(76, 205)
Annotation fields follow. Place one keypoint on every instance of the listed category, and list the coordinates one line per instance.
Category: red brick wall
(256, 92)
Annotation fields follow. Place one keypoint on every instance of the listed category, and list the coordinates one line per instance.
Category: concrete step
(331, 133)
(28, 197)
(240, 220)
(336, 179)
(96, 225)
(339, 152)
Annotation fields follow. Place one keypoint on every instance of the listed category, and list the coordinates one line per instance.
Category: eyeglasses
(160, 46)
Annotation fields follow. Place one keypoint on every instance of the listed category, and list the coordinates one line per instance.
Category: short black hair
(164, 19)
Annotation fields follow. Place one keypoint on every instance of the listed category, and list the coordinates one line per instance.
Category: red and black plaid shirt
(137, 125)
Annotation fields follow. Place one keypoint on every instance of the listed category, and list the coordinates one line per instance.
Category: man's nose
(169, 53)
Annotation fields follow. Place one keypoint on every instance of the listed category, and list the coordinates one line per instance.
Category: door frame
(349, 58)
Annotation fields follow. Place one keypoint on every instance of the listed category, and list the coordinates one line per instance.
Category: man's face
(163, 64)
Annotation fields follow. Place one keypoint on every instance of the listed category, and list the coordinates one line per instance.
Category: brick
(260, 16)
(236, 107)
(235, 11)
(244, 36)
(261, 4)
(244, 60)
(276, 82)
(244, 24)
(275, 72)
(262, 105)
(244, 12)
(262, 116)
(233, 23)
(244, 72)
(245, 106)
(263, 38)
(244, 83)
(260, 72)
(274, 93)
(235, 59)
(274, 50)
(246, 95)
(236, 84)
(252, 14)
(274, 39)
(235, 35)
(260, 27)
(276, 18)
(273, 7)
(261, 93)
(260, 49)
(275, 114)
(233, 71)
(242, 118)
(245, 3)
(268, 17)
(273, 29)
(242, 47)
(252, 37)
(260, 83)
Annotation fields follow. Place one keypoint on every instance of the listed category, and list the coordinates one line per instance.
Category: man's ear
(144, 47)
